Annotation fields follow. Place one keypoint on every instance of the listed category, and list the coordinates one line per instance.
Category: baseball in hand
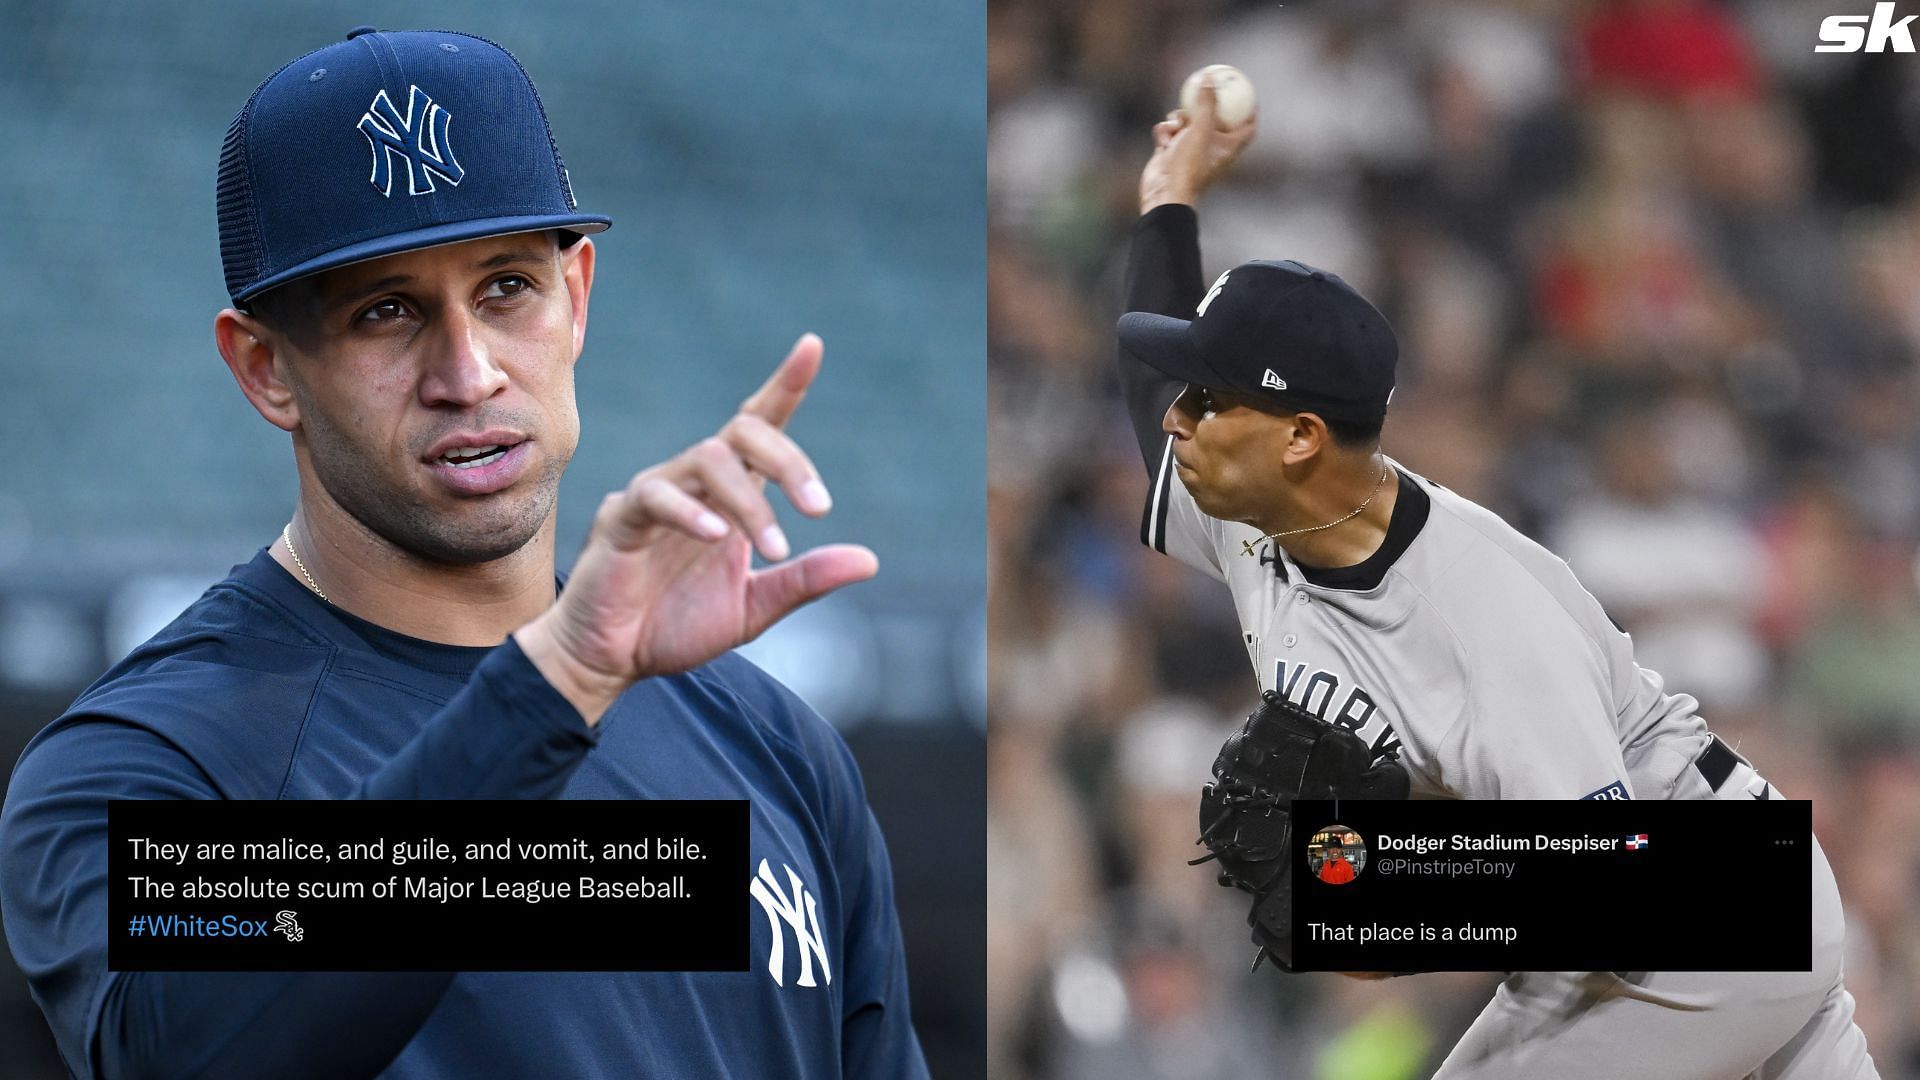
(1233, 94)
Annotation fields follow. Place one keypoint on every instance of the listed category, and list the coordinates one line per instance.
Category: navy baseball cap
(1284, 332)
(383, 143)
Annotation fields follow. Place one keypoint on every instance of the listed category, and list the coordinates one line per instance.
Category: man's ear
(1307, 438)
(577, 266)
(253, 357)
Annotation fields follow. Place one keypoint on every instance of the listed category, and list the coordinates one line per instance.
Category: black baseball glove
(1282, 753)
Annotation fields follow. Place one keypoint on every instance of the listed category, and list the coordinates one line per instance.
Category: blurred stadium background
(768, 173)
(1656, 269)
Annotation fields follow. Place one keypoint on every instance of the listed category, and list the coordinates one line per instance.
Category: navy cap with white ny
(384, 143)
(1284, 332)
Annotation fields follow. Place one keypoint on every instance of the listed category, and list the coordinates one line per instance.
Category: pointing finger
(783, 392)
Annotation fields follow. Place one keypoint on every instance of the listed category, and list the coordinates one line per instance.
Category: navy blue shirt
(260, 690)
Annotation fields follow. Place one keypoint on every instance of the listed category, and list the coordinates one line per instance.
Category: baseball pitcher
(1377, 603)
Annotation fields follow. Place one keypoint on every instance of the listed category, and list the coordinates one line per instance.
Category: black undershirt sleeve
(1163, 277)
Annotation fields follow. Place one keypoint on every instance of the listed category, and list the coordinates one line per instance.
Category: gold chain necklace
(1246, 546)
(286, 534)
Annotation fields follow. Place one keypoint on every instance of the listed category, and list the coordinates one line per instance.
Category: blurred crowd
(1655, 268)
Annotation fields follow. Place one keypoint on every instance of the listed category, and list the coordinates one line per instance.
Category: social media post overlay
(560, 885)
(1403, 886)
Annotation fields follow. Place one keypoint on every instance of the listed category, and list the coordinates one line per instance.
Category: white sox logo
(782, 907)
(428, 154)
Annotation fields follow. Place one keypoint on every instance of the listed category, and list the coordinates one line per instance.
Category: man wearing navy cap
(410, 278)
(1389, 606)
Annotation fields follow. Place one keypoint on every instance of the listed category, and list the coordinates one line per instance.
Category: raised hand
(1190, 152)
(666, 580)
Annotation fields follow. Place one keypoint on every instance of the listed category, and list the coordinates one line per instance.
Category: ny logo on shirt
(782, 906)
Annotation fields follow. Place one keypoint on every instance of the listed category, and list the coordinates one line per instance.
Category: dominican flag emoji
(1635, 843)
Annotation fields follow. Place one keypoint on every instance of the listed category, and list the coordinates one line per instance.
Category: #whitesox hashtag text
(196, 926)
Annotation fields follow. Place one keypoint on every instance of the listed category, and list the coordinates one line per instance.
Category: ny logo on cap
(1219, 283)
(427, 154)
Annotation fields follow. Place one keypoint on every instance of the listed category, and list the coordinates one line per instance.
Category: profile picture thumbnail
(1336, 854)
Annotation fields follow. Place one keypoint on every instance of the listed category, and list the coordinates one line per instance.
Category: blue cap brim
(433, 236)
(1164, 344)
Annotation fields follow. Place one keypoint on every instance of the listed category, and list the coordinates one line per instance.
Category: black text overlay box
(1555, 886)
(560, 885)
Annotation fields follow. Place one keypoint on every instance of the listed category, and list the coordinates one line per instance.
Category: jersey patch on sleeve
(1615, 790)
